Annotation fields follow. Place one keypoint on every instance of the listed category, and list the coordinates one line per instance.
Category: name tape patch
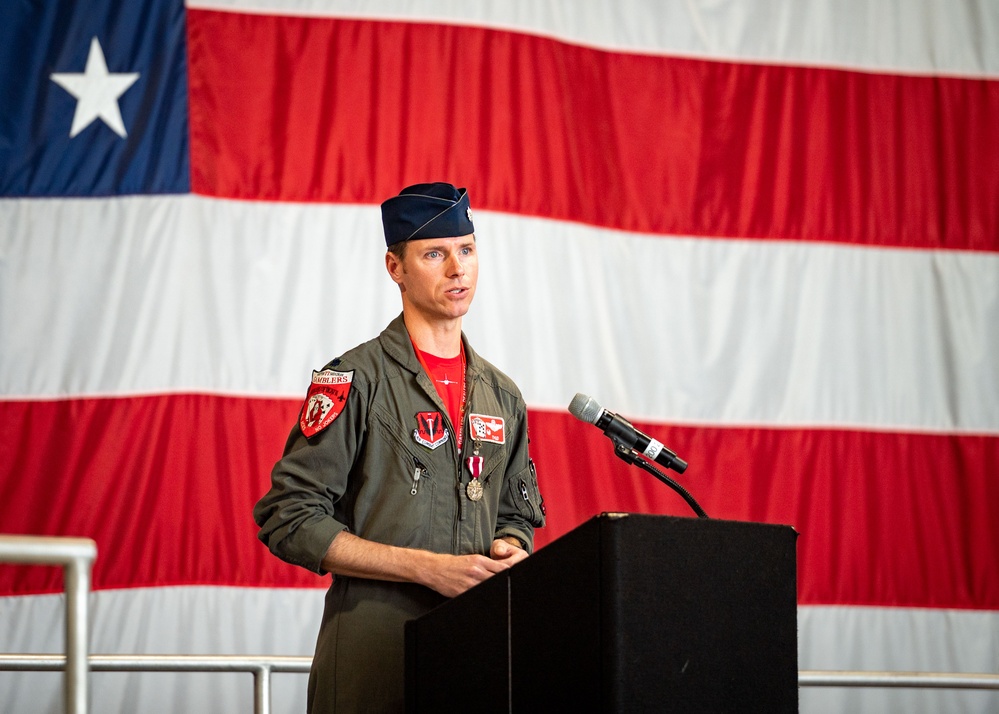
(487, 428)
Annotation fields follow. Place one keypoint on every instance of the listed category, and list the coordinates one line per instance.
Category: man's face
(437, 276)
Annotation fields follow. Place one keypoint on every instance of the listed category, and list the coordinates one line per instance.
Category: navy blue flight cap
(427, 210)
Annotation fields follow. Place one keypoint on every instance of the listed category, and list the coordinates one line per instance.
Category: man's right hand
(449, 575)
(455, 574)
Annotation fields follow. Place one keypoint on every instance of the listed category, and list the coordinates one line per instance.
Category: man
(408, 475)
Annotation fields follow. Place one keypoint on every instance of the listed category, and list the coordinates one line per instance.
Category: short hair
(399, 250)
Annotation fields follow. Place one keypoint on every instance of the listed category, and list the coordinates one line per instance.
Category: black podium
(626, 613)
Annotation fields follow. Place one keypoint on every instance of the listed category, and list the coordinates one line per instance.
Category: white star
(96, 92)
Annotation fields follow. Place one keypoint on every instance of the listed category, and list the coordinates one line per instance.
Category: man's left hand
(506, 551)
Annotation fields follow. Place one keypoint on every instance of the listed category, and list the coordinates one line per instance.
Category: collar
(396, 342)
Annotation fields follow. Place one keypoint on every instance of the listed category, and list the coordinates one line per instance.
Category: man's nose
(455, 266)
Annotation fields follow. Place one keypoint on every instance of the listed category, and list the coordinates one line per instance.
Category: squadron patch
(325, 401)
(487, 428)
(430, 430)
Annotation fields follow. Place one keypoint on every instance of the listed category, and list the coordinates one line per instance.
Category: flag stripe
(913, 37)
(915, 509)
(817, 155)
(681, 330)
(161, 515)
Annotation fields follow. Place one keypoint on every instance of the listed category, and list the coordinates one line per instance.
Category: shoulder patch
(325, 401)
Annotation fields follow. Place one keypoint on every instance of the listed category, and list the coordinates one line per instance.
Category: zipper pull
(417, 472)
(523, 491)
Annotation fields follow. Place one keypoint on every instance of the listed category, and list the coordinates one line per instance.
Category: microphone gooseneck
(630, 445)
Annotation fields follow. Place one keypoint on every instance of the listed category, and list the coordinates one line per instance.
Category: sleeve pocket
(525, 493)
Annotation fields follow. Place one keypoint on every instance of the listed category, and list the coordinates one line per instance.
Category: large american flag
(766, 232)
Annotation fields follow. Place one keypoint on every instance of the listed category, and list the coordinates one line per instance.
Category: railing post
(76, 556)
(262, 689)
(77, 574)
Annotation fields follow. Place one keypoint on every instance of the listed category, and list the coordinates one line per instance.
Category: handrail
(259, 666)
(931, 680)
(76, 556)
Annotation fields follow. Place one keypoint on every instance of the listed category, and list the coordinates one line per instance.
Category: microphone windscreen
(585, 408)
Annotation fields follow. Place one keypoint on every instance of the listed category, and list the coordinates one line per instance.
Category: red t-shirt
(447, 374)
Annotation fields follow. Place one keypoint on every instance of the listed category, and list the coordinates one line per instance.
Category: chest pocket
(404, 486)
(400, 454)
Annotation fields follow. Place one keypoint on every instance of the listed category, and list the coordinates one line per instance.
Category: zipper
(527, 498)
(456, 535)
(418, 471)
(541, 499)
(461, 496)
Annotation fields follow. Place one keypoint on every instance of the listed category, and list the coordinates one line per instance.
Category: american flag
(766, 232)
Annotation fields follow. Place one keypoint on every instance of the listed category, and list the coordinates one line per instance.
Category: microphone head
(585, 408)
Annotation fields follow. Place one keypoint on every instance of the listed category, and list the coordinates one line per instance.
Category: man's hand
(449, 575)
(458, 573)
(454, 574)
(504, 549)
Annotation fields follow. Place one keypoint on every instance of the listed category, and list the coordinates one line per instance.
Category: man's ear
(394, 267)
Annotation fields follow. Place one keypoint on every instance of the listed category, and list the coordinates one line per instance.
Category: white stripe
(179, 620)
(146, 295)
(901, 640)
(904, 36)
(261, 621)
(184, 294)
(740, 332)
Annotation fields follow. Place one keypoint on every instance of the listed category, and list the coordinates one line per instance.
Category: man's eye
(433, 254)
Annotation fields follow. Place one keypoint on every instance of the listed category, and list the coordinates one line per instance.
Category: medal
(474, 488)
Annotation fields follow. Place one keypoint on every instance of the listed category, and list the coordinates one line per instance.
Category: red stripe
(166, 485)
(351, 111)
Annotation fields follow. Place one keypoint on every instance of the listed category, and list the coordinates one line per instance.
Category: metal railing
(260, 667)
(76, 556)
(924, 680)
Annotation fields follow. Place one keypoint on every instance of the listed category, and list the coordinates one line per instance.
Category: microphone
(620, 431)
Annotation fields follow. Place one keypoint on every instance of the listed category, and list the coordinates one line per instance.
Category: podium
(626, 613)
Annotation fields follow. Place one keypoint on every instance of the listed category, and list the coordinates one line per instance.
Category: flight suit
(387, 469)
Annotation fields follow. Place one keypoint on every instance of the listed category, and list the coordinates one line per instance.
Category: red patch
(487, 428)
(325, 401)
(430, 430)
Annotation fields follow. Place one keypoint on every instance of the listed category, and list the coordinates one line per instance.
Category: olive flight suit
(387, 469)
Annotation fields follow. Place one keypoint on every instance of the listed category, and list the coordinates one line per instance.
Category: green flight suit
(359, 474)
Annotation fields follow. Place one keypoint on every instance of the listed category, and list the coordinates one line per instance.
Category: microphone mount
(632, 457)
(631, 445)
